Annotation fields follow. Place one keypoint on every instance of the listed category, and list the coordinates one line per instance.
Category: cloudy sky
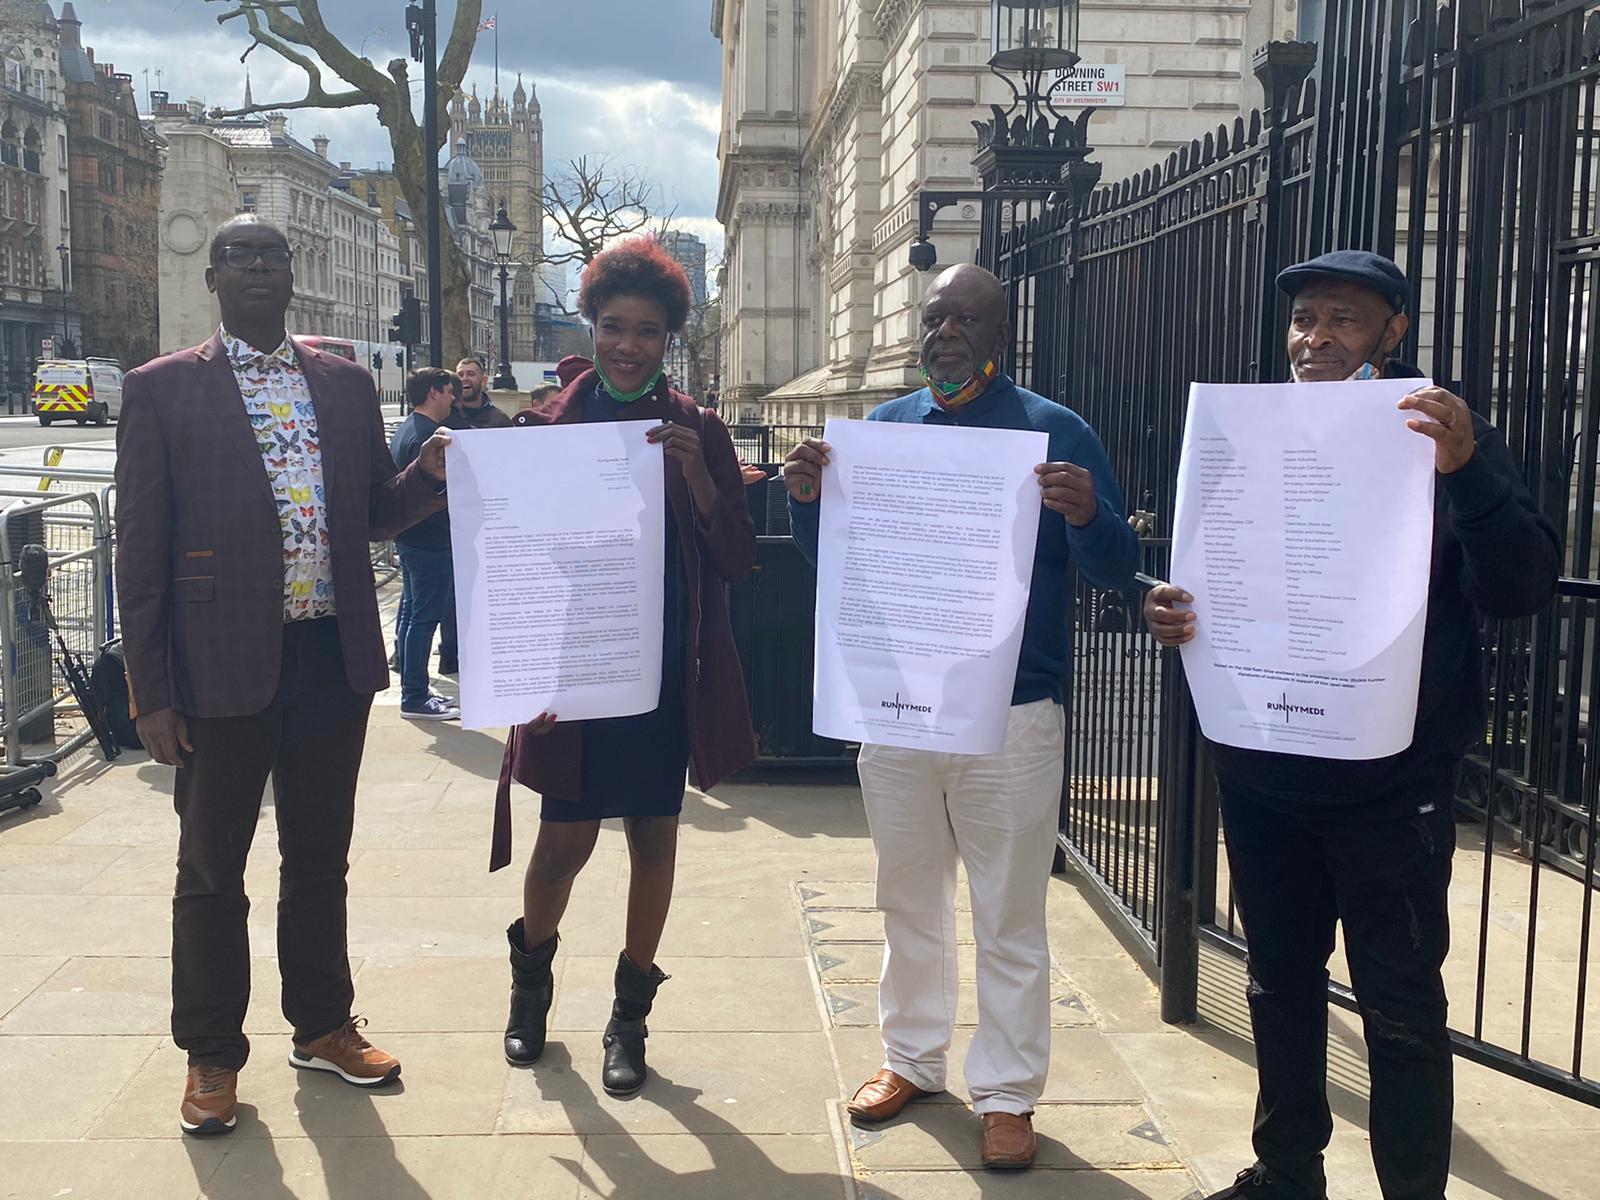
(637, 79)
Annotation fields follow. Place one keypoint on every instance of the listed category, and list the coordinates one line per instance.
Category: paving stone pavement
(766, 1025)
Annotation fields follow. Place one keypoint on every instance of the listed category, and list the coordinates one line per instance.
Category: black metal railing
(1111, 801)
(1462, 140)
(769, 443)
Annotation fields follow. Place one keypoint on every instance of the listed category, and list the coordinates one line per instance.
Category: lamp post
(422, 22)
(1033, 38)
(65, 252)
(1029, 152)
(502, 229)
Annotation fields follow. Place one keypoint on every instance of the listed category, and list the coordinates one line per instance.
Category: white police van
(81, 390)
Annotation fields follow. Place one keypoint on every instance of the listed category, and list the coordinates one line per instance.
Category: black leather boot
(532, 988)
(624, 1070)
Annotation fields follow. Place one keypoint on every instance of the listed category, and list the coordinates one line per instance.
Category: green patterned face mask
(628, 397)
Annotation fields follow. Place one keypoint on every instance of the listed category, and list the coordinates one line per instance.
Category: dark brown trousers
(309, 741)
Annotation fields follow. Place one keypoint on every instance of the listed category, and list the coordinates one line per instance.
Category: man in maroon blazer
(251, 474)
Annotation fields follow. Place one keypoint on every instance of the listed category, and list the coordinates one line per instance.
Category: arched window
(32, 151)
(10, 150)
(108, 236)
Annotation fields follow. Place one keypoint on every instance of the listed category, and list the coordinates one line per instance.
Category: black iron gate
(1461, 138)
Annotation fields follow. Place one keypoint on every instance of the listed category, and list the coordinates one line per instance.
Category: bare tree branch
(593, 202)
(296, 31)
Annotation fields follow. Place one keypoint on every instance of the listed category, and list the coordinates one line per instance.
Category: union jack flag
(487, 25)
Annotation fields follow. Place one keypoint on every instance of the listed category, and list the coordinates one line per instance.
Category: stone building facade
(836, 113)
(381, 191)
(351, 262)
(115, 205)
(469, 207)
(506, 142)
(35, 196)
(288, 183)
(199, 191)
(467, 213)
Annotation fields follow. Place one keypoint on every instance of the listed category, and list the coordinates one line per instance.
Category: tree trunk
(455, 281)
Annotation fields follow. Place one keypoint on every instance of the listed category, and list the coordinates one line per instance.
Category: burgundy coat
(199, 548)
(717, 551)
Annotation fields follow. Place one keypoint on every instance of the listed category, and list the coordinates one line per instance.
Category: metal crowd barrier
(35, 699)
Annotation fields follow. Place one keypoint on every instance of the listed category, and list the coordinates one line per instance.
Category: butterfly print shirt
(284, 421)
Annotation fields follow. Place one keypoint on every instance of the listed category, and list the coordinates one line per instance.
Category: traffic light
(411, 320)
(400, 359)
(397, 331)
(377, 360)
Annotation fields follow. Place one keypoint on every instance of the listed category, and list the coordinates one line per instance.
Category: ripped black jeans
(1294, 876)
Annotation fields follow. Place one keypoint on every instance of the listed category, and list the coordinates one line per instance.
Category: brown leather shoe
(210, 1101)
(881, 1098)
(1008, 1141)
(348, 1055)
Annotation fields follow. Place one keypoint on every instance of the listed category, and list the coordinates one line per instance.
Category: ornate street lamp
(1028, 152)
(502, 229)
(1033, 39)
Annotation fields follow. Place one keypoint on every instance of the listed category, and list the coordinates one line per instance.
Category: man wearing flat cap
(1316, 843)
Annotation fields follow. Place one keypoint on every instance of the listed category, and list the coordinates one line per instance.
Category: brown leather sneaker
(210, 1101)
(1008, 1141)
(348, 1055)
(882, 1098)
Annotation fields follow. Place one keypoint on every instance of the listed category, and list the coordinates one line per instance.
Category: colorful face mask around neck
(622, 397)
(951, 396)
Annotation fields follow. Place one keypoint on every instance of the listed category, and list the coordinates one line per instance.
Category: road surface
(20, 432)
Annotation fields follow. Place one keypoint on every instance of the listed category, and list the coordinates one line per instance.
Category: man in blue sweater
(996, 813)
(1314, 843)
(427, 597)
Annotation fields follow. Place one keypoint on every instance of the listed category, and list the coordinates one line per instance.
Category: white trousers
(998, 813)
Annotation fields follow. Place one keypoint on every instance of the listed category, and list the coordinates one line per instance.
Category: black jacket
(1494, 555)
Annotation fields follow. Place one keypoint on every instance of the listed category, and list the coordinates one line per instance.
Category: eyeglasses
(238, 256)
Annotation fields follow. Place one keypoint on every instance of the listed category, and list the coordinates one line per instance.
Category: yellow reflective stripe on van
(60, 397)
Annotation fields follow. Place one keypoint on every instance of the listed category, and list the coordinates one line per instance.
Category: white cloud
(665, 131)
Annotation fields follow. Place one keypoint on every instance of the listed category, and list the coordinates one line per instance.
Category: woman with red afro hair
(636, 297)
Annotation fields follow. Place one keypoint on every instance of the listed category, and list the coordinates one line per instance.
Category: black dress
(636, 766)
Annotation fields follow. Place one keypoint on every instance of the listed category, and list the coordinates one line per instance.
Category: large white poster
(558, 535)
(924, 562)
(1304, 531)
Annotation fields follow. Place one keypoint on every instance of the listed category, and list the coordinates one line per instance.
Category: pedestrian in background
(474, 409)
(1314, 843)
(636, 297)
(251, 476)
(538, 400)
(427, 592)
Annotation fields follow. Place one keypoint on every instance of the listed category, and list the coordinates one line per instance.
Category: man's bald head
(964, 323)
(969, 279)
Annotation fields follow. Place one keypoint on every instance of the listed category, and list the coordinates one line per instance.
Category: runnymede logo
(1282, 705)
(900, 706)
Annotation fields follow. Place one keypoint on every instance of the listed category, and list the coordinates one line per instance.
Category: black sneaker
(1256, 1183)
(434, 708)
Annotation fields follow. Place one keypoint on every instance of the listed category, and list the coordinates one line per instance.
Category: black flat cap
(1354, 266)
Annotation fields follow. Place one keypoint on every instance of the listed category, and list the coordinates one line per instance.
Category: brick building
(34, 208)
(115, 173)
